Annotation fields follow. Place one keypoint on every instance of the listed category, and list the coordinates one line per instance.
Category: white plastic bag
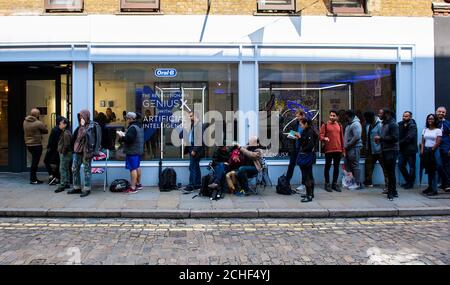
(348, 179)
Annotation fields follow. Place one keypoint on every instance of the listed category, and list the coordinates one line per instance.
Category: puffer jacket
(389, 136)
(33, 131)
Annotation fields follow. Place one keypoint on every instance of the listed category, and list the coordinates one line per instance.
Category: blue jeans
(78, 159)
(443, 161)
(195, 175)
(403, 160)
(219, 173)
(243, 173)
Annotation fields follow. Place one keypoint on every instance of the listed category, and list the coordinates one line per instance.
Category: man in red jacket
(332, 136)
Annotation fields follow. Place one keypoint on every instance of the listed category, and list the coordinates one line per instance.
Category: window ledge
(441, 9)
(71, 13)
(275, 14)
(349, 15)
(138, 13)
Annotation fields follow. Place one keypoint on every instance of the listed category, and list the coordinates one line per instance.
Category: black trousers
(51, 161)
(407, 159)
(330, 157)
(292, 163)
(307, 174)
(36, 152)
(389, 162)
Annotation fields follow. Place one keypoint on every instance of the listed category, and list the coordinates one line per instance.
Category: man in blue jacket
(196, 149)
(444, 149)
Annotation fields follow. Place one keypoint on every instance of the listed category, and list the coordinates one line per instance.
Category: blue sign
(165, 72)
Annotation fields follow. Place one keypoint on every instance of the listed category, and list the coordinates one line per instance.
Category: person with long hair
(431, 139)
(306, 157)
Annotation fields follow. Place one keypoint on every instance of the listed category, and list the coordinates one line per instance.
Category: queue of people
(341, 137)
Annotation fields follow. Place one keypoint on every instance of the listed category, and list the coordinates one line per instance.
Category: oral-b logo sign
(165, 72)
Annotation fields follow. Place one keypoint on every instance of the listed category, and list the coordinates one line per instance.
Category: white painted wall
(264, 39)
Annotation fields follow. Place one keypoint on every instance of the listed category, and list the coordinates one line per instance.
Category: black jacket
(408, 137)
(308, 141)
(389, 135)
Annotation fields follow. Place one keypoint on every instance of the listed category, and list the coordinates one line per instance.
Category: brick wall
(420, 8)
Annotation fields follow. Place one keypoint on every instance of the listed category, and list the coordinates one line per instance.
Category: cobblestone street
(424, 240)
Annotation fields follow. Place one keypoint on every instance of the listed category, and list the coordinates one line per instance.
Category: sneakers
(130, 191)
(336, 187)
(60, 189)
(74, 191)
(53, 181)
(139, 186)
(37, 181)
(300, 188)
(327, 187)
(385, 191)
(354, 187)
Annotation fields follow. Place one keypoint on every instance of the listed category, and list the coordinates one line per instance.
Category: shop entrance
(45, 86)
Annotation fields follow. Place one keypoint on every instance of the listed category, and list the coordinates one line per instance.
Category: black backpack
(119, 185)
(205, 191)
(168, 180)
(283, 186)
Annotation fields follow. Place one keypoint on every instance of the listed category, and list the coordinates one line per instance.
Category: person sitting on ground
(220, 165)
(252, 153)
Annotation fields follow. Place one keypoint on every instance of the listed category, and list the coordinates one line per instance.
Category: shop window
(64, 5)
(163, 95)
(319, 88)
(348, 6)
(276, 5)
(139, 5)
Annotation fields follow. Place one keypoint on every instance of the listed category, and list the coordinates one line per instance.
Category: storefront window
(319, 88)
(162, 94)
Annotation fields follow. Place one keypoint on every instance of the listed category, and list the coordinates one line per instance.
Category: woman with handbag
(307, 157)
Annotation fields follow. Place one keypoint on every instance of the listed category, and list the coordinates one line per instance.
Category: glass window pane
(152, 90)
(319, 88)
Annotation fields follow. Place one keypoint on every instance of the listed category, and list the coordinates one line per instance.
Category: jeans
(36, 152)
(352, 163)
(369, 166)
(195, 175)
(51, 161)
(243, 173)
(79, 159)
(292, 163)
(389, 161)
(444, 168)
(219, 173)
(64, 168)
(407, 159)
(307, 172)
(334, 157)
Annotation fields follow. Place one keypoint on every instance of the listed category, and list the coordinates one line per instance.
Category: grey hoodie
(352, 136)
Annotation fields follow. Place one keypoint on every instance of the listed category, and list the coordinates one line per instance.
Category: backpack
(283, 186)
(205, 191)
(168, 180)
(119, 185)
(236, 159)
(94, 138)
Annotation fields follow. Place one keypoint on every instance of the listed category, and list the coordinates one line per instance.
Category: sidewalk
(19, 198)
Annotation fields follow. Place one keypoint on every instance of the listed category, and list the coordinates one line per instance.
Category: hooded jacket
(33, 130)
(79, 135)
(375, 131)
(352, 136)
(408, 137)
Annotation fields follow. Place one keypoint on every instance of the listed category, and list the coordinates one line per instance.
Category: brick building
(229, 55)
